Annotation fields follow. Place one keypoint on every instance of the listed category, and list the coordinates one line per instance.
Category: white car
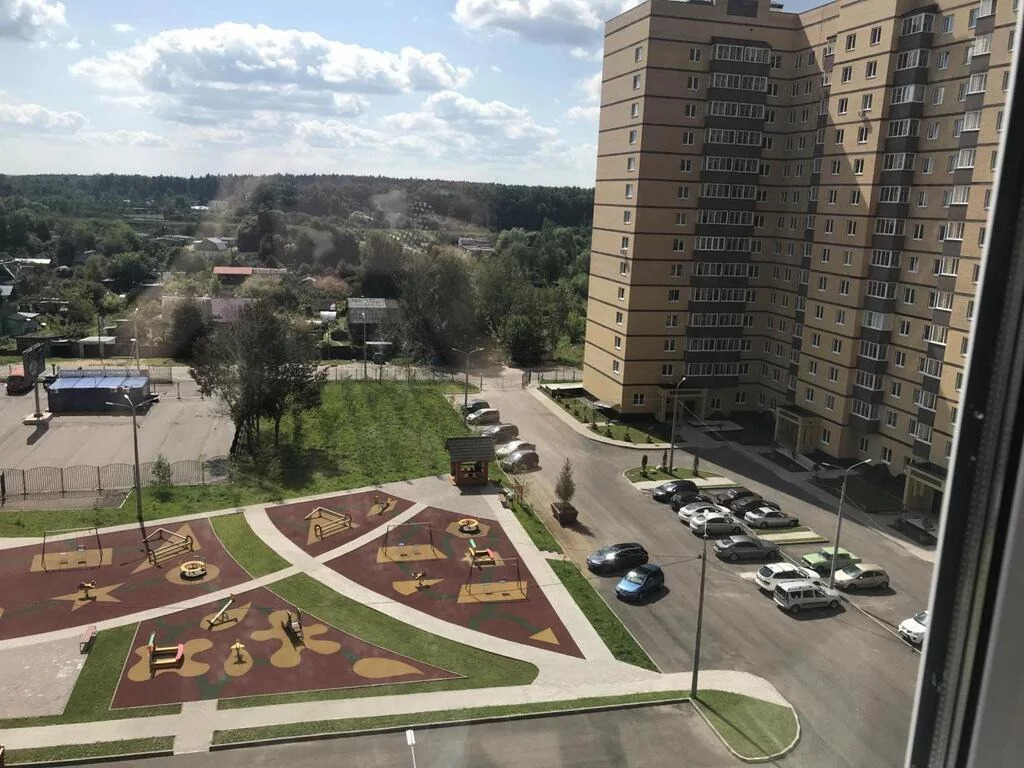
(509, 448)
(915, 628)
(689, 511)
(770, 575)
(714, 524)
(769, 517)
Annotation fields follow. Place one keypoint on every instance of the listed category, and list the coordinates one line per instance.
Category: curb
(591, 435)
(122, 758)
(752, 760)
(447, 723)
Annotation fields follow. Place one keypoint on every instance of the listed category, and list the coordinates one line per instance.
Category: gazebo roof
(470, 448)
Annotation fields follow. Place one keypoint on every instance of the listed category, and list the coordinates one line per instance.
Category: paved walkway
(560, 678)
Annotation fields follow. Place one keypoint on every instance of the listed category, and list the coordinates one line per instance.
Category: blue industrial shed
(89, 390)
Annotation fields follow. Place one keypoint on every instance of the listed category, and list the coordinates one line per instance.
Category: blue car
(641, 582)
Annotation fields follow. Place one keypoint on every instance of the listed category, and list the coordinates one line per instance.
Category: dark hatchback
(640, 583)
(617, 557)
(666, 491)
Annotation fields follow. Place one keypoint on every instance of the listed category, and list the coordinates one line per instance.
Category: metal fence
(109, 477)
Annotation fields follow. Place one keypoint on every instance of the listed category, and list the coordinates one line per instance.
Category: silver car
(714, 524)
(769, 517)
(509, 448)
(689, 511)
(862, 576)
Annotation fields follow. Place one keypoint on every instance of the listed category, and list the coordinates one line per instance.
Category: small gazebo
(470, 458)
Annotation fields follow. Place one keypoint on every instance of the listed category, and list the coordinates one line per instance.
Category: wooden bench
(85, 641)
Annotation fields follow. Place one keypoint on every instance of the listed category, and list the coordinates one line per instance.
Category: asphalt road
(651, 737)
(851, 680)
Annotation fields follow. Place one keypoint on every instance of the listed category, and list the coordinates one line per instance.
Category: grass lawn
(754, 728)
(365, 433)
(618, 639)
(245, 546)
(423, 718)
(535, 528)
(479, 669)
(94, 690)
(636, 475)
(96, 750)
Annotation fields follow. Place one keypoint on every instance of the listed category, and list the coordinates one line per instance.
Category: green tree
(160, 469)
(381, 265)
(437, 302)
(565, 486)
(188, 327)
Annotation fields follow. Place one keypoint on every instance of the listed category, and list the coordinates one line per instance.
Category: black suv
(617, 557)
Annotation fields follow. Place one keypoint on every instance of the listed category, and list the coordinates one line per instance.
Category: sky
(478, 90)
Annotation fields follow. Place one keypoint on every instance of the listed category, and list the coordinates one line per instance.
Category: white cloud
(36, 118)
(194, 75)
(73, 44)
(589, 114)
(124, 138)
(584, 54)
(576, 23)
(30, 20)
(590, 90)
(123, 28)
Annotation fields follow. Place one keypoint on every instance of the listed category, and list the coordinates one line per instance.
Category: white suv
(793, 596)
(770, 575)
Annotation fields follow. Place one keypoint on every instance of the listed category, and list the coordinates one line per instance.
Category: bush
(162, 477)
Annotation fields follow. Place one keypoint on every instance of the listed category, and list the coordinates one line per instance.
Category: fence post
(24, 488)
(62, 481)
(99, 482)
(202, 472)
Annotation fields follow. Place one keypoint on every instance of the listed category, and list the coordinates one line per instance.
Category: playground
(253, 643)
(85, 576)
(462, 570)
(321, 525)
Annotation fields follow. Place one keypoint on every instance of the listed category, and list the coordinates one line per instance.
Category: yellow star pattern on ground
(96, 595)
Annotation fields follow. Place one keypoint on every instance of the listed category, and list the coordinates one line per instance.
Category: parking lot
(178, 429)
(850, 677)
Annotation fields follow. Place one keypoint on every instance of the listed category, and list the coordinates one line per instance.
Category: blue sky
(485, 90)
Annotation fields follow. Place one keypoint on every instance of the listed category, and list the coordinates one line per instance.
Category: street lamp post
(700, 615)
(465, 396)
(362, 315)
(675, 412)
(138, 475)
(839, 514)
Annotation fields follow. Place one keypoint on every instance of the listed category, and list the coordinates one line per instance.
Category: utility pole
(675, 413)
(465, 396)
(839, 523)
(363, 316)
(138, 475)
(700, 615)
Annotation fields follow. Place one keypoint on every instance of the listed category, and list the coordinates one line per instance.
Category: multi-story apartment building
(789, 212)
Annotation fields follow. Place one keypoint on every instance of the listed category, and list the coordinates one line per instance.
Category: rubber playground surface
(41, 591)
(426, 564)
(268, 660)
(320, 526)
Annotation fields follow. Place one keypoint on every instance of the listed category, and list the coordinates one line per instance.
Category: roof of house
(371, 311)
(470, 448)
(227, 310)
(246, 271)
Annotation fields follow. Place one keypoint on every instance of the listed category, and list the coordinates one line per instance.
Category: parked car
(683, 498)
(475, 405)
(520, 460)
(507, 449)
(862, 576)
(687, 513)
(914, 629)
(740, 507)
(769, 517)
(666, 491)
(714, 524)
(732, 494)
(617, 557)
(735, 548)
(794, 596)
(821, 561)
(484, 416)
(501, 433)
(640, 582)
(770, 575)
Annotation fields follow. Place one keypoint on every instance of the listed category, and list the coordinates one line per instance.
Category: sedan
(484, 416)
(914, 629)
(714, 524)
(862, 576)
(666, 491)
(734, 548)
(509, 448)
(740, 507)
(683, 498)
(475, 405)
(769, 517)
(520, 460)
(617, 557)
(731, 495)
(687, 513)
(821, 561)
(640, 583)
